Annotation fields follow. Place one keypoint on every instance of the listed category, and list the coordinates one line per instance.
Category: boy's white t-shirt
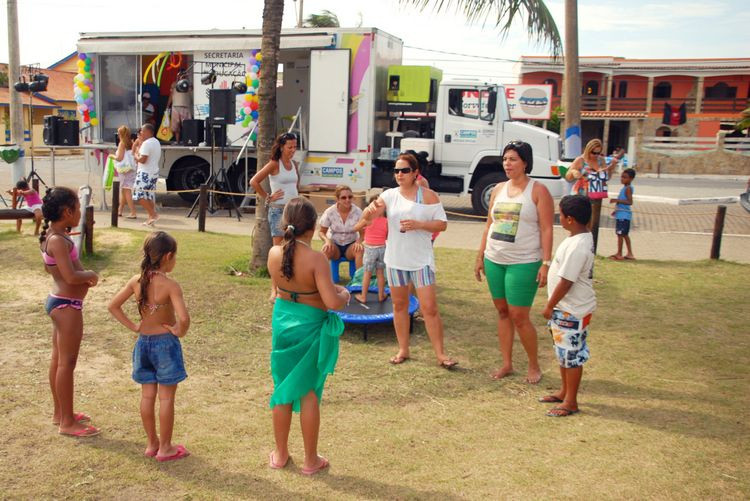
(152, 148)
(574, 261)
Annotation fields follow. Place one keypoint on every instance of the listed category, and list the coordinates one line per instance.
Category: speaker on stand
(50, 129)
(221, 112)
(67, 133)
(193, 132)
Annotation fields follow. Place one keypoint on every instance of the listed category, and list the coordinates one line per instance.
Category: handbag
(127, 164)
(109, 173)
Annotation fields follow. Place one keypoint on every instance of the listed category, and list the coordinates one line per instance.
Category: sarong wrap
(305, 348)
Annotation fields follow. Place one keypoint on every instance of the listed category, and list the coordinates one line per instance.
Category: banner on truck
(529, 102)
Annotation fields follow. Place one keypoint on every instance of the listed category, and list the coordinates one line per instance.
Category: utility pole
(16, 106)
(572, 83)
(300, 18)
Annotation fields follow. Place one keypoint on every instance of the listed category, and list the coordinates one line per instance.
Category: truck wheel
(482, 192)
(188, 173)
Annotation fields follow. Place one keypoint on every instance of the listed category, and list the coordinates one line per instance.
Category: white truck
(333, 88)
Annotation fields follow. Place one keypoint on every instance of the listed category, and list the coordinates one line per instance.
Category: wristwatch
(547, 263)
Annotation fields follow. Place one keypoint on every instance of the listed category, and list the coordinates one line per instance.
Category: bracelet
(546, 263)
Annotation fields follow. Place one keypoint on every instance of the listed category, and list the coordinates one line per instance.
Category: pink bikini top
(51, 261)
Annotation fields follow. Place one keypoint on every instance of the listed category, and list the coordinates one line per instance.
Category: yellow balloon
(259, 57)
(94, 121)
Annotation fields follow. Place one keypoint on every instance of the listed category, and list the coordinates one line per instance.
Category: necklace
(302, 242)
(157, 272)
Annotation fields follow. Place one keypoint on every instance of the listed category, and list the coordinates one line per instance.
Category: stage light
(209, 78)
(21, 86)
(239, 87)
(183, 85)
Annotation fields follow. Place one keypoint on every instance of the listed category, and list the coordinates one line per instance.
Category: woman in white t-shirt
(413, 214)
(515, 254)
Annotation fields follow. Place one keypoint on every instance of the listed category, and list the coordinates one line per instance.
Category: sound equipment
(50, 128)
(221, 106)
(217, 131)
(193, 132)
(67, 133)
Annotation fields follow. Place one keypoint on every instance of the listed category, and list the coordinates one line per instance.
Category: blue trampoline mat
(373, 311)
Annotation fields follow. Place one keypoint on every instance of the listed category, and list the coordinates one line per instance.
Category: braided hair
(299, 217)
(156, 245)
(54, 203)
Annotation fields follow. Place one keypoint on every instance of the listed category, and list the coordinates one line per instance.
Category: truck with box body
(334, 88)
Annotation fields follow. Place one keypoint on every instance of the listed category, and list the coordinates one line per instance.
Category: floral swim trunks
(144, 186)
(569, 335)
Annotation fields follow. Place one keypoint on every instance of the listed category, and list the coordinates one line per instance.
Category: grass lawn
(664, 398)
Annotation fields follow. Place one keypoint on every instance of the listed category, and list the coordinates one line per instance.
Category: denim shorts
(274, 220)
(569, 335)
(158, 359)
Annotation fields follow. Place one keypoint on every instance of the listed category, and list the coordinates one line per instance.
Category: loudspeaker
(221, 106)
(50, 128)
(219, 131)
(67, 132)
(193, 132)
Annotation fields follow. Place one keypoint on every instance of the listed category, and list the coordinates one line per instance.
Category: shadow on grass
(197, 471)
(620, 390)
(369, 489)
(683, 422)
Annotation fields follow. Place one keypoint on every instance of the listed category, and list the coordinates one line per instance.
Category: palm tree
(539, 22)
(326, 19)
(273, 13)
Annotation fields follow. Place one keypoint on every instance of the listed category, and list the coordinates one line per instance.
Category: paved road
(661, 231)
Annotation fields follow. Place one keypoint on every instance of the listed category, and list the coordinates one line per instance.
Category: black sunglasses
(404, 170)
(288, 136)
(516, 143)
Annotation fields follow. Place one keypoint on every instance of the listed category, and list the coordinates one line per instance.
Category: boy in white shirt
(571, 301)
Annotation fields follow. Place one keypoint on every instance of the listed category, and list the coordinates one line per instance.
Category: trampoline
(373, 311)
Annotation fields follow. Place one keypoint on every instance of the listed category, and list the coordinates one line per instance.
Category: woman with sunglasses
(337, 228)
(589, 172)
(283, 175)
(515, 254)
(413, 214)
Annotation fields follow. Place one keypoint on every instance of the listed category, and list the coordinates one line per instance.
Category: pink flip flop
(151, 454)
(322, 466)
(182, 452)
(89, 431)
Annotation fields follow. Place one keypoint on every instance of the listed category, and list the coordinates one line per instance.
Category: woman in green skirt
(305, 343)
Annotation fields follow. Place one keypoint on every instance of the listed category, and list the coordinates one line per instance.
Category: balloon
(252, 124)
(246, 122)
(253, 136)
(248, 97)
(253, 76)
(80, 64)
(82, 55)
(255, 84)
(255, 69)
(94, 121)
(259, 57)
(92, 114)
(254, 114)
(253, 106)
(84, 107)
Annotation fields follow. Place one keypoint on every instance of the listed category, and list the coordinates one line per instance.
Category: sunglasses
(404, 170)
(346, 197)
(597, 152)
(288, 136)
(516, 143)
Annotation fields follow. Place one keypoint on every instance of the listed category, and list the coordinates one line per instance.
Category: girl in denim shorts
(157, 356)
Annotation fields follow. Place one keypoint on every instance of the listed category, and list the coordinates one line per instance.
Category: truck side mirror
(492, 102)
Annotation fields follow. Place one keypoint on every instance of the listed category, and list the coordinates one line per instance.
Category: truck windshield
(470, 103)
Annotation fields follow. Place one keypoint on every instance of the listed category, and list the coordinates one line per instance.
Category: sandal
(561, 412)
(322, 466)
(549, 399)
(448, 364)
(398, 359)
(274, 465)
(89, 431)
(182, 452)
(79, 417)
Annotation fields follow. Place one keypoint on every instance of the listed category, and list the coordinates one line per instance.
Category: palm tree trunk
(273, 12)
(572, 83)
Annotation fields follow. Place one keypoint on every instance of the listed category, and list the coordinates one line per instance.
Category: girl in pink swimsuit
(71, 282)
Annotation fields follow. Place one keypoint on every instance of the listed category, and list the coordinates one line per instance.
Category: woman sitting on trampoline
(413, 213)
(305, 336)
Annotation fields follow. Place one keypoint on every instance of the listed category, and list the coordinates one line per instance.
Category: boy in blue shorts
(571, 301)
(623, 215)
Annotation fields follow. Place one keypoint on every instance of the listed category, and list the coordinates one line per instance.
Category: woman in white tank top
(515, 254)
(283, 175)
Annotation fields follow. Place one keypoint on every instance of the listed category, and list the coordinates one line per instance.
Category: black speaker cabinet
(193, 132)
(221, 106)
(50, 129)
(215, 130)
(67, 133)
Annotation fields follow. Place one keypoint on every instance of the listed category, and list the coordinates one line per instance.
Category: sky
(49, 29)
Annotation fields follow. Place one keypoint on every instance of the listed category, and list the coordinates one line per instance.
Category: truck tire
(480, 195)
(238, 181)
(188, 173)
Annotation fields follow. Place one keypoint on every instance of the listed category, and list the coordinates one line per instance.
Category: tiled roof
(35, 102)
(611, 114)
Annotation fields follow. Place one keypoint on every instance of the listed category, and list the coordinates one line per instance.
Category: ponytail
(299, 217)
(156, 245)
(55, 201)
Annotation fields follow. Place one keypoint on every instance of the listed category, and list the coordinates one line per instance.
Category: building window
(721, 91)
(622, 90)
(663, 90)
(553, 83)
(591, 88)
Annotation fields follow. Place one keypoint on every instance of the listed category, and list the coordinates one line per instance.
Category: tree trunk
(571, 83)
(273, 12)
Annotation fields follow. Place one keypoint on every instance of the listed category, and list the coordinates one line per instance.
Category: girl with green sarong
(305, 343)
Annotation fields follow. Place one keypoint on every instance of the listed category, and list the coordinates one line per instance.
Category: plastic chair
(335, 268)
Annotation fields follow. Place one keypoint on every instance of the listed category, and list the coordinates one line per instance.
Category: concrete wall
(708, 162)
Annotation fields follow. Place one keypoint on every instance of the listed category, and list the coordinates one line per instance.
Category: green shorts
(516, 283)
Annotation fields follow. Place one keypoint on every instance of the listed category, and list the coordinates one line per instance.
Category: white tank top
(285, 180)
(513, 237)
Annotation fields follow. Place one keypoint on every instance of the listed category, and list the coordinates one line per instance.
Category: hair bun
(290, 227)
